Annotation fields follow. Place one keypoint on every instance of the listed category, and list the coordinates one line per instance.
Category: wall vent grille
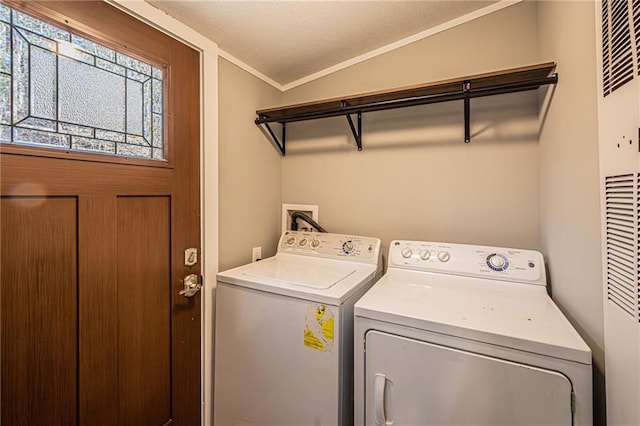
(635, 8)
(637, 236)
(617, 50)
(621, 211)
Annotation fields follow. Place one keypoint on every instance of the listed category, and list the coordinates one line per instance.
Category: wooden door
(93, 328)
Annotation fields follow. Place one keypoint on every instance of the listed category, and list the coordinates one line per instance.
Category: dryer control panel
(337, 246)
(498, 263)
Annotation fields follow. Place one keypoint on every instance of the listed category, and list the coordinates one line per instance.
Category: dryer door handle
(382, 400)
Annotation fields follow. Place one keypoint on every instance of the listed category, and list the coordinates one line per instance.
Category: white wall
(569, 176)
(248, 169)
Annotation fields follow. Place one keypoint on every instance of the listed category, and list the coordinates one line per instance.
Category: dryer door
(410, 382)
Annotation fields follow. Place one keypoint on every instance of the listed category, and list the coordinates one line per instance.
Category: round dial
(497, 262)
(291, 240)
(303, 242)
(406, 252)
(348, 247)
(315, 243)
(425, 254)
(444, 256)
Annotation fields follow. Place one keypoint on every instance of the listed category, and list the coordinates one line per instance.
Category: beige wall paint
(249, 169)
(569, 179)
(416, 179)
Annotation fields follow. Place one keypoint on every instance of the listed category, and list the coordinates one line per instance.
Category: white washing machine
(284, 331)
(466, 335)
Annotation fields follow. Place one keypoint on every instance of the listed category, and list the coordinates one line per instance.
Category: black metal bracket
(357, 133)
(280, 144)
(466, 88)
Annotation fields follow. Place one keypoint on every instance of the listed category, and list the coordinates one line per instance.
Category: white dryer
(284, 331)
(467, 335)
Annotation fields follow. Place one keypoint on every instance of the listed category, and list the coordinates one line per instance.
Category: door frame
(208, 174)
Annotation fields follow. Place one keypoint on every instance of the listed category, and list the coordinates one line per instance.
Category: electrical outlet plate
(289, 209)
(256, 254)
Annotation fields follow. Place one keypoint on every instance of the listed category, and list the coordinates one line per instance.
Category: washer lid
(512, 315)
(303, 274)
(321, 280)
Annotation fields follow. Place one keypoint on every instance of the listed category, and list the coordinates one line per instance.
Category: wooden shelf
(462, 88)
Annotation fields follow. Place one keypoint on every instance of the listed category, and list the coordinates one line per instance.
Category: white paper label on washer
(319, 326)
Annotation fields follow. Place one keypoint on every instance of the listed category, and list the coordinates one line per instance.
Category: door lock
(192, 285)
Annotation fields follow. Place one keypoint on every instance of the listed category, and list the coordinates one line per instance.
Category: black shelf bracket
(466, 88)
(279, 143)
(357, 133)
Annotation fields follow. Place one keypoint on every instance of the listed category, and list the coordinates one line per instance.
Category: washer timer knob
(349, 247)
(425, 254)
(444, 256)
(291, 240)
(497, 262)
(315, 243)
(406, 252)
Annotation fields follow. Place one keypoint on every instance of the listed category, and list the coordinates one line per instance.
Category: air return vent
(621, 211)
(635, 7)
(617, 50)
(637, 234)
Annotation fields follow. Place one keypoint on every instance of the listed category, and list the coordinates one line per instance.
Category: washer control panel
(499, 263)
(339, 246)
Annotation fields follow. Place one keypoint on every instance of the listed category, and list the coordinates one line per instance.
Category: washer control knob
(348, 247)
(291, 240)
(303, 242)
(444, 256)
(406, 252)
(425, 254)
(315, 243)
(497, 261)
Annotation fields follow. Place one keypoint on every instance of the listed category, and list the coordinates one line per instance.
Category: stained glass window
(60, 90)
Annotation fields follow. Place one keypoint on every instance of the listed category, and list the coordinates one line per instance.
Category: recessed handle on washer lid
(379, 388)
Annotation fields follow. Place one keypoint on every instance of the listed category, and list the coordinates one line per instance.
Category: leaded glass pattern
(60, 90)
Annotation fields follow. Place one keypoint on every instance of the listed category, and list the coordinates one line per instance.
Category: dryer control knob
(315, 243)
(425, 254)
(303, 242)
(497, 261)
(406, 252)
(291, 240)
(444, 256)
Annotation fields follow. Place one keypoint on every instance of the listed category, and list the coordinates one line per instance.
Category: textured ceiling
(290, 40)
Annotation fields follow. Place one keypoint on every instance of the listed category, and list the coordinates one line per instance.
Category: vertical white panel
(619, 134)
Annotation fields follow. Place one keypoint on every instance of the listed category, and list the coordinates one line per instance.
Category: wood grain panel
(38, 295)
(186, 209)
(56, 176)
(144, 330)
(138, 215)
(98, 308)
